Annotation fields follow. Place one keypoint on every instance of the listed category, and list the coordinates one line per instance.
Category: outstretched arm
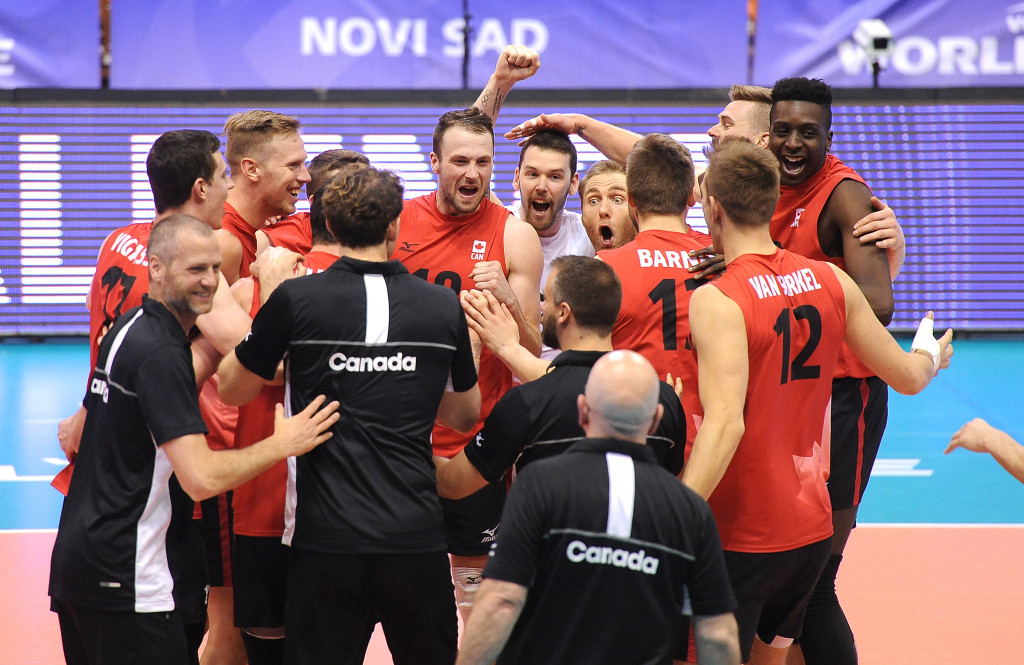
(204, 473)
(980, 437)
(614, 142)
(908, 372)
(516, 63)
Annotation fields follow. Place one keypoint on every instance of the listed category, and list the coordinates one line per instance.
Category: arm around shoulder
(867, 265)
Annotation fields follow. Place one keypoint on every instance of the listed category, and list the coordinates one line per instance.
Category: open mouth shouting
(606, 236)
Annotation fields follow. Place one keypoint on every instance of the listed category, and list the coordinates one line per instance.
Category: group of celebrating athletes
(407, 474)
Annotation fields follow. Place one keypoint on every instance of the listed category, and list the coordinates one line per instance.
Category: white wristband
(925, 341)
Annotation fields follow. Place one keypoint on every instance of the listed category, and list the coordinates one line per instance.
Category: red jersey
(236, 225)
(794, 226)
(773, 497)
(259, 504)
(122, 276)
(293, 233)
(654, 318)
(443, 249)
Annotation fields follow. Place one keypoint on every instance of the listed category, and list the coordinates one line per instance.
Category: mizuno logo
(408, 246)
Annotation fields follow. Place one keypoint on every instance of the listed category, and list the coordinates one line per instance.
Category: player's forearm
(490, 624)
(529, 331)
(521, 362)
(227, 323)
(1006, 451)
(717, 640)
(223, 470)
(237, 385)
(713, 450)
(897, 255)
(492, 97)
(613, 142)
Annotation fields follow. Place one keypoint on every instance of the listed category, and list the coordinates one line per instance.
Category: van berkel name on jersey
(399, 362)
(580, 552)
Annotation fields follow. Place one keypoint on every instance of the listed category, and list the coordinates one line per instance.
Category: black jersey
(384, 343)
(538, 419)
(612, 547)
(125, 531)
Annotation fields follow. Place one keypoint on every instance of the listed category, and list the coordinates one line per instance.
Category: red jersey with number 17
(772, 497)
(122, 276)
(654, 318)
(443, 249)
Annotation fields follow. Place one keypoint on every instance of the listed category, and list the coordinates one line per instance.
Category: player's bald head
(621, 396)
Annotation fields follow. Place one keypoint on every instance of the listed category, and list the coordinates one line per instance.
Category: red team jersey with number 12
(443, 249)
(772, 497)
(654, 319)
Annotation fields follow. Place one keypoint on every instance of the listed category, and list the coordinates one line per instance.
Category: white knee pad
(467, 581)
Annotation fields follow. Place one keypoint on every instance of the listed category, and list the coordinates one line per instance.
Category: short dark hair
(359, 204)
(177, 159)
(471, 119)
(163, 238)
(554, 140)
(800, 89)
(591, 289)
(321, 166)
(744, 179)
(659, 175)
(317, 219)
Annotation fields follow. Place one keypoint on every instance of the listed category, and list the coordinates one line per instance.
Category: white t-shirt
(571, 240)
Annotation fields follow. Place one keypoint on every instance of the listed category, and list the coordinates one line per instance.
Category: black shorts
(260, 574)
(471, 523)
(334, 600)
(218, 522)
(772, 590)
(860, 408)
(120, 638)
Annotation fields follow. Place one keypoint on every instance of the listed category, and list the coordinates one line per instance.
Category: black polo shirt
(125, 537)
(607, 541)
(539, 419)
(385, 344)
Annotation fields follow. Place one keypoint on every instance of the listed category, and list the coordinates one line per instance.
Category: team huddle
(601, 437)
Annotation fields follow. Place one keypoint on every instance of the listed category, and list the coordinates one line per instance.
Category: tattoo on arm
(499, 99)
(484, 98)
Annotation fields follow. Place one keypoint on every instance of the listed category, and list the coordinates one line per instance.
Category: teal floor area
(913, 482)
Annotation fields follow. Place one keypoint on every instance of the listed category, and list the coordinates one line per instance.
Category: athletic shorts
(472, 522)
(260, 574)
(772, 590)
(860, 408)
(120, 638)
(217, 523)
(334, 600)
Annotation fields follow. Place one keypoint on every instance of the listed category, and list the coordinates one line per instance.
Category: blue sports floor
(913, 482)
